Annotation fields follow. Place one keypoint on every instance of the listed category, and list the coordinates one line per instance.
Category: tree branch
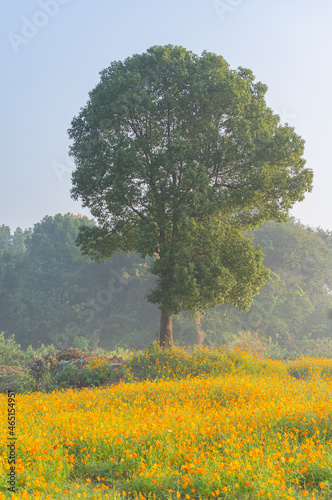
(139, 214)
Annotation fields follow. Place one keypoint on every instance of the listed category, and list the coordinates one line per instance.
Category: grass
(200, 425)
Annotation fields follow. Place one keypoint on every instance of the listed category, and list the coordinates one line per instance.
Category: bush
(176, 363)
(295, 349)
(156, 363)
(41, 365)
(67, 376)
(10, 351)
(16, 379)
(81, 343)
(97, 372)
(85, 373)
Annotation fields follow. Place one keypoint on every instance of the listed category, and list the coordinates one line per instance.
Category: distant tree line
(51, 293)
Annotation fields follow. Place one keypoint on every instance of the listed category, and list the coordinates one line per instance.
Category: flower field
(262, 429)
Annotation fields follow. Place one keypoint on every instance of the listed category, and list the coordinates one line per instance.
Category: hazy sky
(53, 50)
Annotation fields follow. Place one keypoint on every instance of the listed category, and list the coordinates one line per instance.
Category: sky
(52, 52)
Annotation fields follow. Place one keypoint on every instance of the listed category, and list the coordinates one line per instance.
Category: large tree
(176, 155)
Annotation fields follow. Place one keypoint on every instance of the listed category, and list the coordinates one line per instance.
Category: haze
(53, 50)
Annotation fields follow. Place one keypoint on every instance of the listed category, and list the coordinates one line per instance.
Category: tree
(175, 156)
(45, 276)
(13, 272)
(295, 303)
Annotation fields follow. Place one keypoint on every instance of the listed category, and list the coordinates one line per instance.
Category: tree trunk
(200, 333)
(166, 330)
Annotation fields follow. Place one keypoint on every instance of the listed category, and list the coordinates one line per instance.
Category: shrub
(10, 351)
(81, 343)
(295, 349)
(176, 363)
(98, 371)
(41, 365)
(121, 353)
(67, 376)
(16, 379)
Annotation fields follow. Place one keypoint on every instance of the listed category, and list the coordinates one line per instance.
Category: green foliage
(9, 350)
(122, 353)
(38, 279)
(41, 366)
(250, 342)
(48, 352)
(305, 347)
(177, 363)
(67, 376)
(314, 475)
(307, 367)
(300, 371)
(16, 379)
(176, 156)
(81, 343)
(327, 372)
(222, 266)
(296, 300)
(97, 372)
(93, 371)
(292, 309)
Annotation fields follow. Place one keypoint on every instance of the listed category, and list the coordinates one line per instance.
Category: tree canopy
(176, 155)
